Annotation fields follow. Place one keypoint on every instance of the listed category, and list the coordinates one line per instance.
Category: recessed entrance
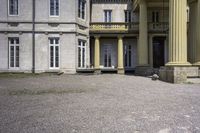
(127, 56)
(107, 55)
(158, 52)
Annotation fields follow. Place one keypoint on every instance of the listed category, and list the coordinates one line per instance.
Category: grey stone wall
(67, 26)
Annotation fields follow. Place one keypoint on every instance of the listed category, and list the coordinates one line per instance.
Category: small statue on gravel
(155, 77)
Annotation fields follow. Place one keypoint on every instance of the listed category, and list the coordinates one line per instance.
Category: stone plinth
(176, 74)
(143, 71)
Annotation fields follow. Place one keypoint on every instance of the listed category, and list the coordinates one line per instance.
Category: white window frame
(9, 51)
(55, 11)
(9, 9)
(82, 64)
(54, 53)
(80, 9)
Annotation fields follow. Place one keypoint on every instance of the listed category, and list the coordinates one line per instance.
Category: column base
(120, 71)
(143, 70)
(197, 64)
(178, 64)
(177, 74)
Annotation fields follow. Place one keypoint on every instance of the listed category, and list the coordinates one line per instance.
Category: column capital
(142, 2)
(120, 36)
(97, 36)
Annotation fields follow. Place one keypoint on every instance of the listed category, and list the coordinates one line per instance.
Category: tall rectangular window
(107, 15)
(155, 16)
(127, 14)
(54, 52)
(81, 9)
(13, 52)
(54, 7)
(13, 7)
(81, 54)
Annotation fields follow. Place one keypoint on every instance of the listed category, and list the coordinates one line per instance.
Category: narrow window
(13, 52)
(54, 52)
(54, 7)
(107, 16)
(127, 16)
(81, 54)
(155, 16)
(81, 9)
(13, 7)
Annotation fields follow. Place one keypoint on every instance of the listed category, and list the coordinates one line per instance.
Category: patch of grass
(44, 92)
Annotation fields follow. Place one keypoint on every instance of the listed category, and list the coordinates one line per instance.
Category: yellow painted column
(178, 33)
(143, 35)
(197, 48)
(120, 55)
(97, 53)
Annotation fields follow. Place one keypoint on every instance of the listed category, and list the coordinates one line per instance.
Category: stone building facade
(48, 34)
(145, 36)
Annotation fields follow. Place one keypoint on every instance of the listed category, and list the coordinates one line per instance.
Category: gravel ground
(108, 103)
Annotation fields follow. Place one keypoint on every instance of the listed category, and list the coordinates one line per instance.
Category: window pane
(51, 56)
(79, 57)
(83, 10)
(51, 41)
(17, 40)
(57, 7)
(57, 56)
(56, 41)
(11, 56)
(17, 56)
(11, 41)
(83, 58)
(126, 16)
(54, 7)
(13, 7)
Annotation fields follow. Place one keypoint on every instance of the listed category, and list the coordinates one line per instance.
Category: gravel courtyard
(107, 103)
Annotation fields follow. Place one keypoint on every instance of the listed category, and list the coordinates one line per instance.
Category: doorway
(128, 55)
(158, 52)
(107, 55)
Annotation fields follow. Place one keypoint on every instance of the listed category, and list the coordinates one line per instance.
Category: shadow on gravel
(45, 92)
(24, 75)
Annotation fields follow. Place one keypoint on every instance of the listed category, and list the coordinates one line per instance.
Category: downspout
(33, 37)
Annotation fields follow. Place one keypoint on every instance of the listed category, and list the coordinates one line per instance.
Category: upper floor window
(107, 15)
(13, 52)
(54, 7)
(81, 8)
(155, 16)
(13, 7)
(128, 15)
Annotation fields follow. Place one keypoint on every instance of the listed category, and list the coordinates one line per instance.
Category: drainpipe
(33, 37)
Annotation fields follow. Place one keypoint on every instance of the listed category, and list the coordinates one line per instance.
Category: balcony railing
(159, 27)
(112, 27)
(127, 27)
